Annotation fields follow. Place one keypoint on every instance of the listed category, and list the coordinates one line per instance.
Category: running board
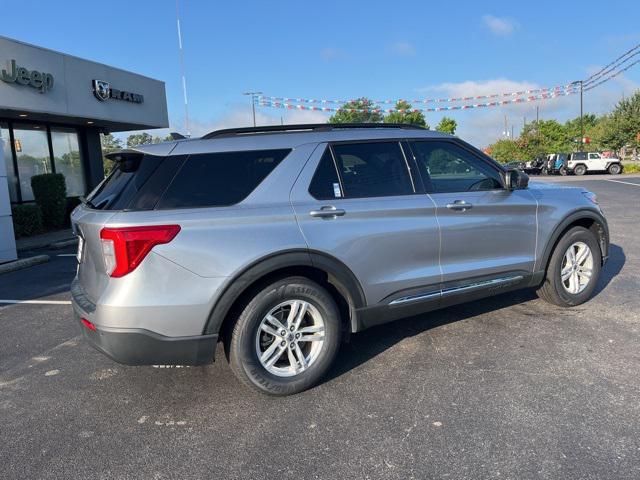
(455, 290)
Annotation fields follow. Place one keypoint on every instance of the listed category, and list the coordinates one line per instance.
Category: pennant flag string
(549, 90)
(315, 108)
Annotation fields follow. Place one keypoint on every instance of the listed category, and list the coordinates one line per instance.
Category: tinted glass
(32, 151)
(7, 160)
(118, 190)
(447, 167)
(66, 158)
(218, 179)
(373, 169)
(325, 184)
(579, 156)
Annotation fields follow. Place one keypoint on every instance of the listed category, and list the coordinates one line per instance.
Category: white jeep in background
(582, 162)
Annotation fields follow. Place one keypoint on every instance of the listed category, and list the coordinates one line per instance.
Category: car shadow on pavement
(611, 269)
(366, 345)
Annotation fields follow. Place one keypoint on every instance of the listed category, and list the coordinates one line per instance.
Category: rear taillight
(124, 248)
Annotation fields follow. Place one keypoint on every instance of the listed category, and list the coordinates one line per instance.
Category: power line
(594, 85)
(611, 69)
(592, 77)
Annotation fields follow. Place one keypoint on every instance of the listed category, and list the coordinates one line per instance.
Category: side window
(373, 169)
(447, 167)
(325, 184)
(579, 156)
(594, 156)
(219, 179)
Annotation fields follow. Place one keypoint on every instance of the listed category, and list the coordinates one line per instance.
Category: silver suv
(280, 242)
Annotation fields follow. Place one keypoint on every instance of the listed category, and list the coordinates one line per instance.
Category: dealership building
(53, 108)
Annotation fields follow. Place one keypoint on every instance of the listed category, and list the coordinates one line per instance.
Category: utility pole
(537, 113)
(253, 103)
(184, 80)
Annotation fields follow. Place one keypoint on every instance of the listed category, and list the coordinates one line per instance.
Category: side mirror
(515, 179)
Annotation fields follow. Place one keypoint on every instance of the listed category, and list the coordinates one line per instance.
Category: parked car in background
(582, 162)
(282, 241)
(517, 164)
(535, 166)
(555, 164)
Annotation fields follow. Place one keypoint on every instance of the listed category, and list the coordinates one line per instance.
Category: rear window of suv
(219, 179)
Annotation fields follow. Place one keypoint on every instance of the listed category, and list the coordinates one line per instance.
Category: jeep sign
(41, 81)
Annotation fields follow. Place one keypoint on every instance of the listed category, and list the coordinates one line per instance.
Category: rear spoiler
(124, 154)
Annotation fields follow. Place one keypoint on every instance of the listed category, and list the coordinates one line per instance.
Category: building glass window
(32, 152)
(7, 156)
(66, 158)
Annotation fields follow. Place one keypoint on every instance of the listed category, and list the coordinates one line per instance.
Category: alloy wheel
(290, 338)
(577, 268)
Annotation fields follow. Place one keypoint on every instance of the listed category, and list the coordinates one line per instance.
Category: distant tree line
(363, 110)
(616, 131)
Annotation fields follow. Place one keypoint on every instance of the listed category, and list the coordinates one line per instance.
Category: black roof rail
(309, 127)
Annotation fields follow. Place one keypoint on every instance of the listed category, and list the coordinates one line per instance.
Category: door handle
(328, 211)
(459, 205)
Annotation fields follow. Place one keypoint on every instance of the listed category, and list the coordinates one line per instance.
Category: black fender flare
(574, 217)
(339, 275)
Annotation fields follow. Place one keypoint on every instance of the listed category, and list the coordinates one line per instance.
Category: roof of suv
(288, 136)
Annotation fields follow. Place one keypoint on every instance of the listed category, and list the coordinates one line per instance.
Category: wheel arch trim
(565, 223)
(339, 275)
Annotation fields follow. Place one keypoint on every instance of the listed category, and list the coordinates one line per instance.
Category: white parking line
(38, 302)
(626, 183)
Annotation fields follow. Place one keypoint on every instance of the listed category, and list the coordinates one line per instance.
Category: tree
(447, 125)
(622, 126)
(505, 151)
(109, 144)
(364, 112)
(137, 139)
(406, 115)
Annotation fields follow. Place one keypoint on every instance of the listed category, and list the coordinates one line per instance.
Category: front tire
(573, 269)
(286, 337)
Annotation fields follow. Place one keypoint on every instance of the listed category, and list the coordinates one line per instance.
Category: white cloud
(401, 49)
(502, 26)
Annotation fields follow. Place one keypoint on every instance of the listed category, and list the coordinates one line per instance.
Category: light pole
(253, 104)
(581, 82)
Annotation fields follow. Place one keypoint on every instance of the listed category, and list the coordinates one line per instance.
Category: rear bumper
(143, 347)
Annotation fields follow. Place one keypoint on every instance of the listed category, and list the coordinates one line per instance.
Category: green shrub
(27, 219)
(631, 167)
(50, 192)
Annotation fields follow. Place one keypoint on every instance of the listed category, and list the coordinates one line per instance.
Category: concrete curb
(63, 243)
(23, 263)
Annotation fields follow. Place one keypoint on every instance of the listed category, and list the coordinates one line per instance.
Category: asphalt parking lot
(507, 387)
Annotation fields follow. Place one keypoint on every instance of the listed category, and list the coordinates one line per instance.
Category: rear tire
(580, 170)
(614, 169)
(565, 285)
(268, 349)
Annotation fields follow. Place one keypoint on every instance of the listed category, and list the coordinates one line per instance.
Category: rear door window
(376, 169)
(325, 184)
(219, 179)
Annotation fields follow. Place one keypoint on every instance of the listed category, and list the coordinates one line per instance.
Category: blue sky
(338, 49)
